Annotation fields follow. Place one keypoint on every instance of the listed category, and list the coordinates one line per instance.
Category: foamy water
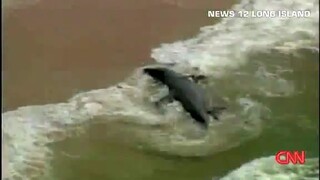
(265, 168)
(225, 52)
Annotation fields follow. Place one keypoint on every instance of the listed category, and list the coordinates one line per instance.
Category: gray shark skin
(187, 92)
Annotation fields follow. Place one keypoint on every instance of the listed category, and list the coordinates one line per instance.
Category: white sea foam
(266, 169)
(228, 43)
(217, 50)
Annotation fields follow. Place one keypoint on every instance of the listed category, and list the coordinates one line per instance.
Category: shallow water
(269, 79)
(292, 125)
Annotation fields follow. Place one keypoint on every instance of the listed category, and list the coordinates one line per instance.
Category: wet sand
(53, 49)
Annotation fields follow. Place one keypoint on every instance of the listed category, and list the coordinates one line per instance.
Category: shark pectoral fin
(216, 111)
(169, 98)
(196, 78)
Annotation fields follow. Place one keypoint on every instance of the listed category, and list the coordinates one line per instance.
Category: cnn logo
(295, 157)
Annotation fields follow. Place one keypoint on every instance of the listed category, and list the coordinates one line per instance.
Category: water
(265, 69)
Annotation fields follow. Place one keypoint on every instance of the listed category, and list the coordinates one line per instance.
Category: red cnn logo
(285, 157)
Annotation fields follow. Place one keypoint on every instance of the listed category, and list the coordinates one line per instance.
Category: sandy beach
(56, 48)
